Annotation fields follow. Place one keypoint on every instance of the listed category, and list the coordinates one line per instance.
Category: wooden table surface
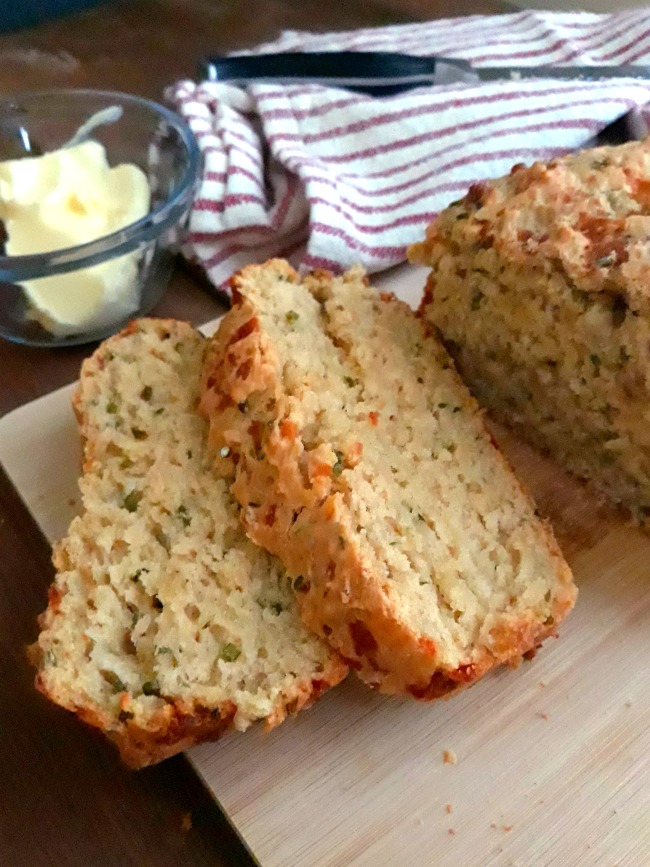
(64, 798)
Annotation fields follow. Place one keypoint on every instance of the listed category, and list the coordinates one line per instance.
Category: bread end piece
(539, 289)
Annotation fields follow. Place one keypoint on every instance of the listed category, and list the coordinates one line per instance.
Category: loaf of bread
(360, 459)
(540, 288)
(166, 626)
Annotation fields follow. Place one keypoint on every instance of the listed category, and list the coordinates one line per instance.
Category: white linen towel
(329, 178)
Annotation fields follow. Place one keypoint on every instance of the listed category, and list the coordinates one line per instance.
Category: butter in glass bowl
(91, 221)
(62, 199)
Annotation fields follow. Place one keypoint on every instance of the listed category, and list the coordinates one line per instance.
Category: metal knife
(381, 73)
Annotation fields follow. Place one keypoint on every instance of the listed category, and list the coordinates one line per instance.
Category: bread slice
(539, 287)
(166, 626)
(360, 459)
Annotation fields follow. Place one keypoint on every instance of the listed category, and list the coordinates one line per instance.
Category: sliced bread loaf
(539, 287)
(166, 626)
(360, 459)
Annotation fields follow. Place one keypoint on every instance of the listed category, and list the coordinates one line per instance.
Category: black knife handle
(374, 72)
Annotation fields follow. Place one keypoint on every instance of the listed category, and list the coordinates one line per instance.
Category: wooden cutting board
(552, 759)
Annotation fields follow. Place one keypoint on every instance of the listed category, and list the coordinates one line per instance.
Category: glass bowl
(146, 134)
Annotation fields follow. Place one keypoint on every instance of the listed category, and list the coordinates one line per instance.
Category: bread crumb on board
(505, 828)
(449, 757)
(449, 808)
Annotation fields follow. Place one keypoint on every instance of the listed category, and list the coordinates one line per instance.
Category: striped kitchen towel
(328, 178)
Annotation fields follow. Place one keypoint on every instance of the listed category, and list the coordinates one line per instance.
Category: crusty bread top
(539, 288)
(166, 625)
(586, 214)
(361, 460)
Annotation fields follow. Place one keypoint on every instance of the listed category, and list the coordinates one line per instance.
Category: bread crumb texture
(539, 288)
(360, 459)
(166, 626)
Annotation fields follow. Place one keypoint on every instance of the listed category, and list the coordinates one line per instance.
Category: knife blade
(379, 73)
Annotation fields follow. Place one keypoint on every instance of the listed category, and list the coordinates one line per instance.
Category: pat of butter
(69, 197)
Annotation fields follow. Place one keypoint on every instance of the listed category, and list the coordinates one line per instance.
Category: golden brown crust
(179, 725)
(171, 730)
(583, 215)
